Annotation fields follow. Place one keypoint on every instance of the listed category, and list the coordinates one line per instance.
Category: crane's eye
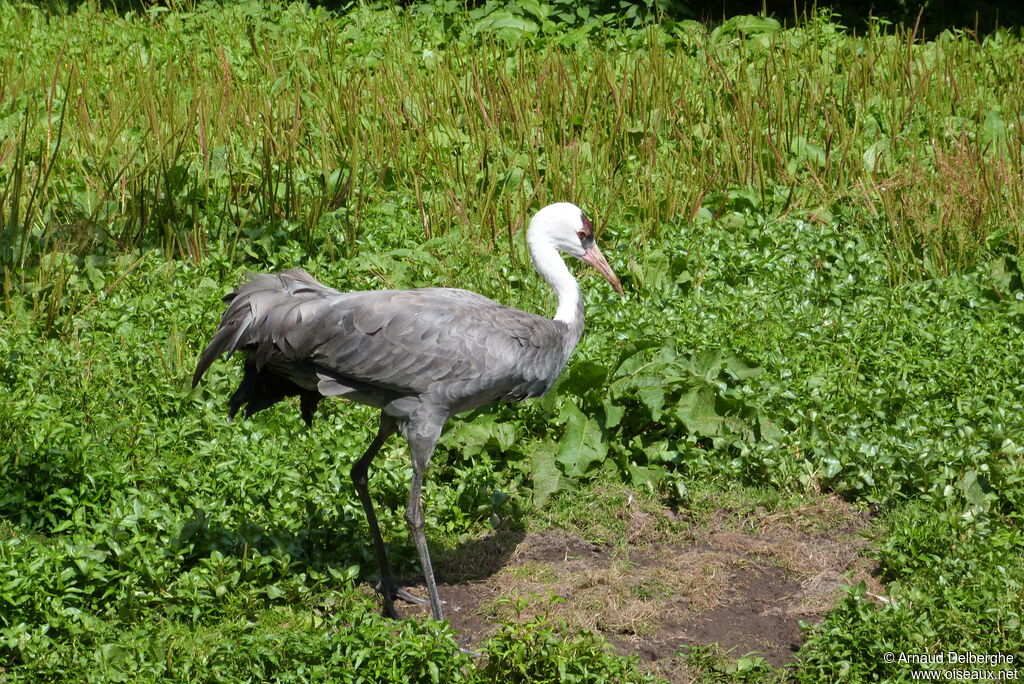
(582, 235)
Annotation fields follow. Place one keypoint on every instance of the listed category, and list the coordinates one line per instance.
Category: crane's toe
(464, 648)
(409, 597)
(397, 592)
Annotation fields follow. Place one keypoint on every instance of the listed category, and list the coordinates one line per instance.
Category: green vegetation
(247, 127)
(820, 236)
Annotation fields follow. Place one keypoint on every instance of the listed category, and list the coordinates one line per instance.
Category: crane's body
(421, 356)
(452, 349)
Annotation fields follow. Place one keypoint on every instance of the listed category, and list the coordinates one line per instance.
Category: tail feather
(219, 345)
(255, 314)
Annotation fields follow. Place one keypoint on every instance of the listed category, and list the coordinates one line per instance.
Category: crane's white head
(565, 227)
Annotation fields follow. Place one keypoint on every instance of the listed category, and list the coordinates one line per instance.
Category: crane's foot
(397, 592)
(409, 597)
(464, 647)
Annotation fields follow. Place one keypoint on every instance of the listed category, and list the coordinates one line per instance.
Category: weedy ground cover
(819, 233)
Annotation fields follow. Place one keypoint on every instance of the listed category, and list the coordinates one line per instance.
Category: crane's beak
(594, 257)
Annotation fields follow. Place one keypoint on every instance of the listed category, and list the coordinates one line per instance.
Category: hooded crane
(420, 356)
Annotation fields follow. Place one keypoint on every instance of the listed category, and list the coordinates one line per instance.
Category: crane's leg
(388, 586)
(422, 440)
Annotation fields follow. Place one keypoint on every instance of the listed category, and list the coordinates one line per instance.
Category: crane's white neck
(552, 268)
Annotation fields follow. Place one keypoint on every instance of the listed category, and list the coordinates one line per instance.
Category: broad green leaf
(876, 157)
(740, 368)
(769, 430)
(654, 399)
(696, 410)
(971, 488)
(994, 129)
(581, 445)
(752, 24)
(832, 466)
(584, 376)
(472, 437)
(535, 9)
(506, 26)
(803, 149)
(643, 476)
(612, 414)
(744, 26)
(545, 474)
(707, 364)
(631, 350)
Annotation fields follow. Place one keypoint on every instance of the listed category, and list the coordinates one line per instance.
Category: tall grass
(172, 129)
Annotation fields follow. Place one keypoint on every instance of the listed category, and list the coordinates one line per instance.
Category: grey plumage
(420, 355)
(456, 349)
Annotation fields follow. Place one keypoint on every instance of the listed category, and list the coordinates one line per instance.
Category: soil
(743, 581)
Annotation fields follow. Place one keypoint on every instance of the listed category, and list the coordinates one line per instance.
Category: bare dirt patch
(743, 581)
